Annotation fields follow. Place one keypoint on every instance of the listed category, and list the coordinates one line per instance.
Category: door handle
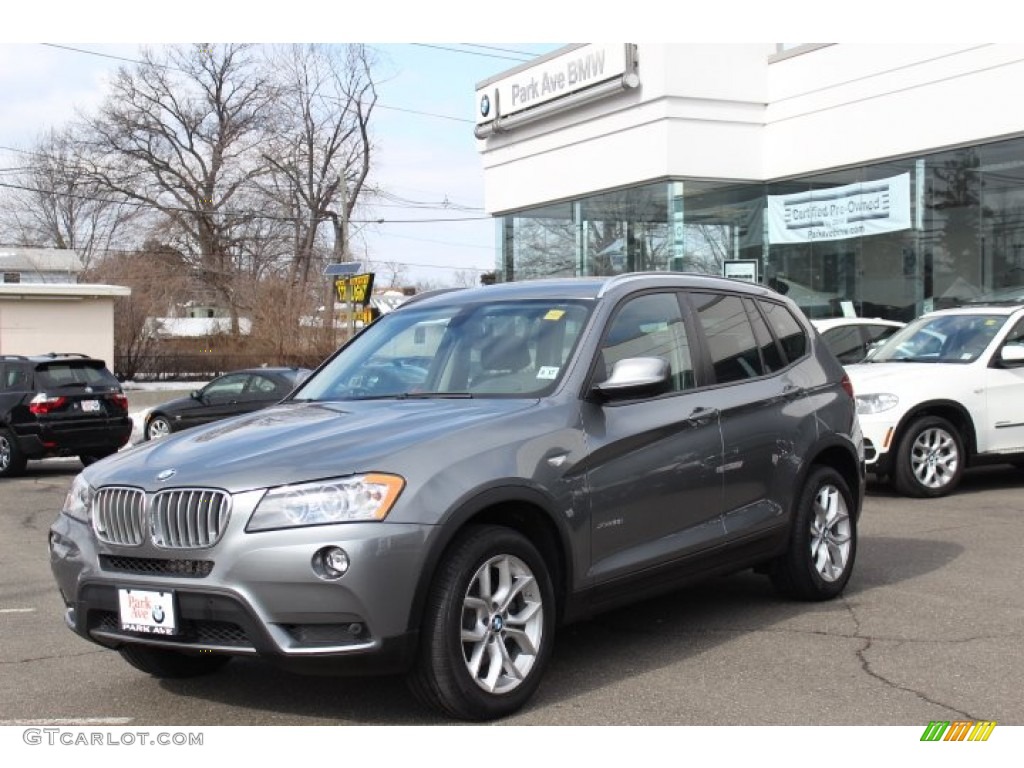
(792, 392)
(702, 416)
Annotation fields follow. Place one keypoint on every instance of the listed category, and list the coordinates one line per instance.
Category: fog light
(330, 562)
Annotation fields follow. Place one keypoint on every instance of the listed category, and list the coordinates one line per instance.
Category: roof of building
(40, 260)
(197, 327)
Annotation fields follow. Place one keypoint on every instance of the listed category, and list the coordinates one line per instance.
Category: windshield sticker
(554, 314)
(548, 372)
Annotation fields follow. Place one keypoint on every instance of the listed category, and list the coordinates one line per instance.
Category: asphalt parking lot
(929, 629)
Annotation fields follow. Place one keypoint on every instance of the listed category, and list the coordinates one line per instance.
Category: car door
(217, 400)
(262, 391)
(654, 487)
(759, 405)
(1004, 393)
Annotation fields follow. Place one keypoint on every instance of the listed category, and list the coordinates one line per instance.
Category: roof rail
(426, 295)
(13, 357)
(630, 276)
(65, 354)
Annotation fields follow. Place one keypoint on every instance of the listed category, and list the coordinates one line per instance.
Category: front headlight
(876, 403)
(340, 500)
(78, 500)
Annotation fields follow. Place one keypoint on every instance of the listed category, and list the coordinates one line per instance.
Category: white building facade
(879, 180)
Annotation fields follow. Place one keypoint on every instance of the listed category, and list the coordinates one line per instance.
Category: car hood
(294, 442)
(902, 377)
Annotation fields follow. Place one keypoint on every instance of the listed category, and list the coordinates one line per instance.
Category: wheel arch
(842, 457)
(950, 410)
(518, 507)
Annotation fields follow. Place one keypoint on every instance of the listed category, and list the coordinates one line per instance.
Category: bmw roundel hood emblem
(167, 474)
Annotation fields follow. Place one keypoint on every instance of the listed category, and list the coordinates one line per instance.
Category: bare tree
(180, 133)
(55, 204)
(321, 153)
(156, 274)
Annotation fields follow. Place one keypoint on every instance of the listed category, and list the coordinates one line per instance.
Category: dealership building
(877, 180)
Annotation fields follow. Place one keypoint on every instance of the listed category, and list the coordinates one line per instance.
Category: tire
(157, 426)
(823, 541)
(930, 459)
(12, 460)
(91, 458)
(482, 650)
(162, 663)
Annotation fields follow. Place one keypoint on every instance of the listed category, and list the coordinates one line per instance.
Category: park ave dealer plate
(145, 611)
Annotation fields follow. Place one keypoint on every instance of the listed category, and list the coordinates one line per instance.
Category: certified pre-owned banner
(836, 213)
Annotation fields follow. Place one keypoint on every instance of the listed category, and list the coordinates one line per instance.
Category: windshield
(940, 339)
(515, 348)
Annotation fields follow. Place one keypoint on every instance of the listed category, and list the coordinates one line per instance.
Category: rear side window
(770, 352)
(734, 350)
(76, 374)
(787, 329)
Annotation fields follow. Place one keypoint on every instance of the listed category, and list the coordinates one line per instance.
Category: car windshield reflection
(946, 339)
(505, 349)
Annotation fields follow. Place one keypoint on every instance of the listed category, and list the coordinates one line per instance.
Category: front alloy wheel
(930, 458)
(488, 626)
(502, 624)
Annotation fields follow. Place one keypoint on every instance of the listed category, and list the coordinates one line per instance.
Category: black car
(59, 405)
(232, 394)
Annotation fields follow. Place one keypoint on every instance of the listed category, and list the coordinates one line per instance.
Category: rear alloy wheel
(158, 426)
(489, 626)
(823, 544)
(930, 458)
(12, 461)
(162, 663)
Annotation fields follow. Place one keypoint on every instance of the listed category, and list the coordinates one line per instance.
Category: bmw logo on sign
(485, 105)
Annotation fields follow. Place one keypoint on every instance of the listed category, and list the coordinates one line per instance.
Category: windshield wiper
(438, 395)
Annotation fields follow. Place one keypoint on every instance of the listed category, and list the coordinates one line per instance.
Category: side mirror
(636, 377)
(196, 394)
(1012, 355)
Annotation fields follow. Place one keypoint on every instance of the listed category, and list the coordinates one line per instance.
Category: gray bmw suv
(471, 471)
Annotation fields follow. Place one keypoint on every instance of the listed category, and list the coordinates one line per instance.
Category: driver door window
(650, 326)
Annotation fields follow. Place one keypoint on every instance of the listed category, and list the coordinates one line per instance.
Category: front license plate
(90, 405)
(145, 611)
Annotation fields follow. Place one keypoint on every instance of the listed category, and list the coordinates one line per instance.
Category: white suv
(944, 392)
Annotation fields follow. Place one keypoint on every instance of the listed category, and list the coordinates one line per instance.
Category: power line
(503, 50)
(240, 214)
(468, 53)
(329, 98)
(401, 202)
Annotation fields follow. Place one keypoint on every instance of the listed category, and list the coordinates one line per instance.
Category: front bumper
(879, 433)
(256, 593)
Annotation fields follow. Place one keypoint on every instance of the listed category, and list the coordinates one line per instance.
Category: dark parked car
(59, 405)
(232, 394)
(472, 470)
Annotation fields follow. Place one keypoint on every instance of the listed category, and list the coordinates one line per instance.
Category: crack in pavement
(861, 653)
(865, 666)
(56, 656)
